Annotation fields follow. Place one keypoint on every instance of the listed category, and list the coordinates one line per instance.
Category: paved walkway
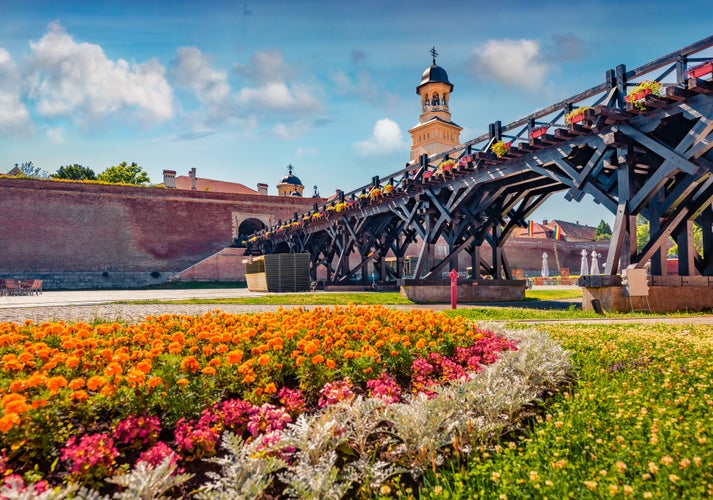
(111, 305)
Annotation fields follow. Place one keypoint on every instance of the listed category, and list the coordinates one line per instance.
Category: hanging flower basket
(388, 189)
(427, 174)
(375, 193)
(701, 71)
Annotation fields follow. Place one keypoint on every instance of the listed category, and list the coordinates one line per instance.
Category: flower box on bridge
(702, 70)
(538, 132)
(638, 96)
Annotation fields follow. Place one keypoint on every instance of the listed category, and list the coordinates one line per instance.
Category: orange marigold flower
(17, 404)
(311, 347)
(39, 403)
(37, 380)
(182, 382)
(189, 364)
(421, 343)
(263, 360)
(8, 421)
(330, 364)
(72, 362)
(271, 388)
(135, 377)
(154, 382)
(80, 396)
(18, 386)
(77, 383)
(56, 383)
(235, 357)
(144, 365)
(208, 370)
(317, 359)
(208, 350)
(113, 369)
(108, 390)
(174, 348)
(95, 382)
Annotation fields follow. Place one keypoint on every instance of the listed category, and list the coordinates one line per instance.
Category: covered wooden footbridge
(639, 143)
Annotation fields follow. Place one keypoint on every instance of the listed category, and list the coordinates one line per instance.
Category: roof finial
(434, 53)
(289, 169)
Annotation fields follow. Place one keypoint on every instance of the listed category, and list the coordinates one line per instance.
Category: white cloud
(265, 67)
(55, 134)
(14, 117)
(386, 138)
(517, 63)
(291, 130)
(278, 96)
(193, 70)
(78, 80)
(301, 152)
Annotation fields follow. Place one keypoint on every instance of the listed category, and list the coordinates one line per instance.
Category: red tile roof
(185, 182)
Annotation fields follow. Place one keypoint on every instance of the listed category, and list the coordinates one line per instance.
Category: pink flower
(384, 388)
(138, 431)
(268, 418)
(334, 392)
(157, 454)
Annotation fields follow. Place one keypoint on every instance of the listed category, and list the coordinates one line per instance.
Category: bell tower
(435, 132)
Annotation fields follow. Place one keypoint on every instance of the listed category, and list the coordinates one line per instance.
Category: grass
(637, 423)
(293, 299)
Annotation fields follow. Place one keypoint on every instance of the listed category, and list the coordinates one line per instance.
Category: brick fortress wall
(81, 235)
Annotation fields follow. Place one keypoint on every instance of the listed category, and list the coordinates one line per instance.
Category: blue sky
(240, 90)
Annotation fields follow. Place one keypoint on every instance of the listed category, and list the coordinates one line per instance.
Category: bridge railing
(671, 70)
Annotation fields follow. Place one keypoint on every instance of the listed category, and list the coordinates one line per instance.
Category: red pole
(453, 275)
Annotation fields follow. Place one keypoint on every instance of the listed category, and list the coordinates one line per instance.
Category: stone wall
(82, 235)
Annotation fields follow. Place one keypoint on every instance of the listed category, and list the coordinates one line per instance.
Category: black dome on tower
(435, 74)
(291, 179)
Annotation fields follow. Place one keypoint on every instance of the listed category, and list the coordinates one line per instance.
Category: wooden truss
(652, 160)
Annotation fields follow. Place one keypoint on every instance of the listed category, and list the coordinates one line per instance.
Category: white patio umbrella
(545, 270)
(584, 266)
(595, 263)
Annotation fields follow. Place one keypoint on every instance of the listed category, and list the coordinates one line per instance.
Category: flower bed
(636, 424)
(90, 398)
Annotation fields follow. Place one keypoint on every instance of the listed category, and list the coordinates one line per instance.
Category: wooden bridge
(639, 144)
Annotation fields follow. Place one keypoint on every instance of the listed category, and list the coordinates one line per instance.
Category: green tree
(642, 232)
(125, 174)
(603, 231)
(75, 172)
(30, 170)
(697, 241)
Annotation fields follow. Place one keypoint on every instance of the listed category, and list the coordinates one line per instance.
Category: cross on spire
(434, 53)
(289, 168)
